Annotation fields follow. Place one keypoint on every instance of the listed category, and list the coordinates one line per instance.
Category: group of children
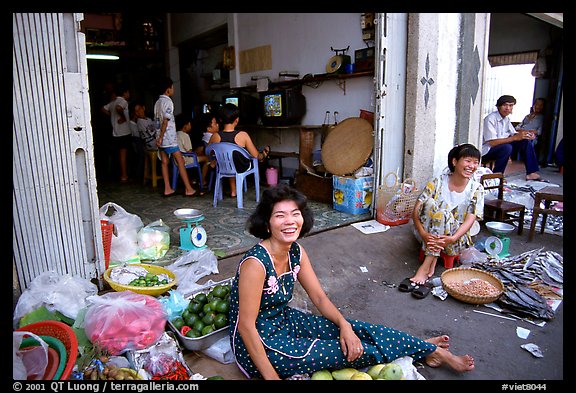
(170, 135)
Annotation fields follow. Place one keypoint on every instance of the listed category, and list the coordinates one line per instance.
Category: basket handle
(409, 185)
(393, 186)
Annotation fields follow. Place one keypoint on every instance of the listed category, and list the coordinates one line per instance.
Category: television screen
(283, 107)
(273, 105)
(247, 105)
(231, 100)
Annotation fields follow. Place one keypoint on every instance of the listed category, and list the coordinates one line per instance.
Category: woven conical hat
(348, 146)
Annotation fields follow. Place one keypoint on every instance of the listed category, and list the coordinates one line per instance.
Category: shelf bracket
(342, 84)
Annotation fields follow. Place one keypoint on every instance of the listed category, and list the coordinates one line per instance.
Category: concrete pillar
(446, 53)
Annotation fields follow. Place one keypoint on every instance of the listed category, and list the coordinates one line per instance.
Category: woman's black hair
(463, 150)
(258, 222)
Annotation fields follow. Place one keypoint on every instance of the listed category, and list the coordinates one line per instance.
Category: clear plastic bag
(63, 293)
(31, 362)
(153, 241)
(192, 266)
(121, 321)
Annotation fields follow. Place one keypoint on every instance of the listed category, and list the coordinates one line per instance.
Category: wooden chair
(546, 195)
(499, 209)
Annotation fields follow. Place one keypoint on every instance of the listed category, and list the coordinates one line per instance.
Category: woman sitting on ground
(447, 209)
(272, 340)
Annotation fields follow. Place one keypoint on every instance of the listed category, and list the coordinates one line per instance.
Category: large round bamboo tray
(463, 274)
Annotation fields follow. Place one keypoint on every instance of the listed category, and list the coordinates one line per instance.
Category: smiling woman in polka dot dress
(272, 340)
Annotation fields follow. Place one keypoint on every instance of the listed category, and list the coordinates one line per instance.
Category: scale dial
(198, 236)
(493, 245)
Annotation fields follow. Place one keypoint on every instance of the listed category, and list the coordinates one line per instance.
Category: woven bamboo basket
(463, 275)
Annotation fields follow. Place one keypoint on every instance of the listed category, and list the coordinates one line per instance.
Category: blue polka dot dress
(297, 342)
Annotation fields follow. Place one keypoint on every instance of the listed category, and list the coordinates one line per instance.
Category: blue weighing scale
(193, 236)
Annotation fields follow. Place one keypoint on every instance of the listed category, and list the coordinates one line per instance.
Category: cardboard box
(352, 195)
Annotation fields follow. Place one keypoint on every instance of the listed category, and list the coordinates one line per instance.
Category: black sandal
(421, 291)
(407, 286)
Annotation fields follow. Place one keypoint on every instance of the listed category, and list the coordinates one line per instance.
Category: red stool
(448, 259)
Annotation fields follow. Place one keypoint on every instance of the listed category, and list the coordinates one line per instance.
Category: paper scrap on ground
(522, 333)
(533, 349)
(371, 226)
(363, 269)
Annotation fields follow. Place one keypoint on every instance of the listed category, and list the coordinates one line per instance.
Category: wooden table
(548, 195)
(279, 155)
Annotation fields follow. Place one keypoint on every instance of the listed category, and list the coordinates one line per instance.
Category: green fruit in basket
(207, 329)
(191, 319)
(178, 322)
(220, 291)
(223, 306)
(220, 321)
(198, 325)
(214, 303)
(194, 307)
(193, 333)
(208, 319)
(207, 308)
(201, 298)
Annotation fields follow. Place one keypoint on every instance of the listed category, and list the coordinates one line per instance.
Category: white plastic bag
(192, 266)
(124, 248)
(63, 293)
(31, 362)
(153, 241)
(221, 351)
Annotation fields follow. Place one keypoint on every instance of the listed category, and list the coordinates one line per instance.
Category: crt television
(283, 107)
(248, 105)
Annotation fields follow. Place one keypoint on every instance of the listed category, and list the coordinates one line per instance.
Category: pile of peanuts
(475, 287)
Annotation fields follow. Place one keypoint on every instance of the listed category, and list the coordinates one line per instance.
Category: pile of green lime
(149, 280)
(206, 312)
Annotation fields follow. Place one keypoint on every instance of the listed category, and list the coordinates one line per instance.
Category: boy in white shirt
(167, 140)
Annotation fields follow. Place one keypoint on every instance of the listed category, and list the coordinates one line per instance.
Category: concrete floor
(389, 257)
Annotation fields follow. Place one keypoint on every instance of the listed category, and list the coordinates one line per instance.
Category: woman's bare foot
(442, 356)
(421, 275)
(432, 268)
(533, 176)
(440, 341)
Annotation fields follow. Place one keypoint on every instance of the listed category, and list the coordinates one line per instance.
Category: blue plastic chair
(225, 167)
(176, 171)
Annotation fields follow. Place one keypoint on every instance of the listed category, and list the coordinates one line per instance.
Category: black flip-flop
(407, 286)
(169, 195)
(421, 291)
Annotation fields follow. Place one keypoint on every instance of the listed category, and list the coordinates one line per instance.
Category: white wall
(305, 48)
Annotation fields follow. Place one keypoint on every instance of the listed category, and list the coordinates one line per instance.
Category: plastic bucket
(272, 176)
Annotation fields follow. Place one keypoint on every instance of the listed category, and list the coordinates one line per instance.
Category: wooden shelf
(308, 79)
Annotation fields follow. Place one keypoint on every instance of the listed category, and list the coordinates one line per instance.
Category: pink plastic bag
(122, 321)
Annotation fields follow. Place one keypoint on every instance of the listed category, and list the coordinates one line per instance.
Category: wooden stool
(150, 171)
(548, 195)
